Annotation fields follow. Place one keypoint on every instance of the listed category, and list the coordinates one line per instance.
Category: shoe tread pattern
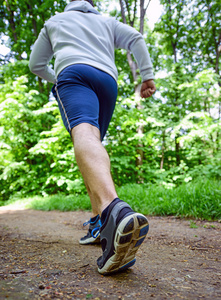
(129, 236)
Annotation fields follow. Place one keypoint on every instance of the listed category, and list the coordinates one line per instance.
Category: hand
(148, 88)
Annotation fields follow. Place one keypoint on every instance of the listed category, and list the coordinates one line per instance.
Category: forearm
(142, 57)
(42, 71)
(130, 39)
(40, 56)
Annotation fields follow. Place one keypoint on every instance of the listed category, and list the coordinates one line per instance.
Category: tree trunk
(174, 47)
(41, 86)
(34, 23)
(125, 7)
(163, 149)
(140, 129)
(13, 26)
(177, 146)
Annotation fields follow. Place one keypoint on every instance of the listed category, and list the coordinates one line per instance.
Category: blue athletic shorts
(85, 95)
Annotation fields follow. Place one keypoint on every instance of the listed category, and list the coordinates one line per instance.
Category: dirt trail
(40, 258)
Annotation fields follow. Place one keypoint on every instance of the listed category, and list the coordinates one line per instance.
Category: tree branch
(123, 12)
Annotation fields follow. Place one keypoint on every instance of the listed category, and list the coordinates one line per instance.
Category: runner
(85, 86)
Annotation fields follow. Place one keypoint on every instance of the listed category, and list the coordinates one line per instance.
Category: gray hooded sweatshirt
(81, 35)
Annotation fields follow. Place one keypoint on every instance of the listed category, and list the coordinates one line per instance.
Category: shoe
(121, 235)
(93, 234)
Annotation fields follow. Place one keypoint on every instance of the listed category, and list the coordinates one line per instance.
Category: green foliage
(179, 134)
(36, 151)
(198, 132)
(200, 199)
(22, 21)
(61, 171)
(20, 125)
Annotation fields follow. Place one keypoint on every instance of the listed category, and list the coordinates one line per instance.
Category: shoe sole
(129, 236)
(90, 241)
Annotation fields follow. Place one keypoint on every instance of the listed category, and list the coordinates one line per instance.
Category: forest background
(164, 151)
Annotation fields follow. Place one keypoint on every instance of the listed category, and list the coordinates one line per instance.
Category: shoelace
(96, 229)
(89, 222)
(97, 233)
(86, 223)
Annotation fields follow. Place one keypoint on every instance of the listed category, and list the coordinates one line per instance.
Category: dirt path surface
(40, 258)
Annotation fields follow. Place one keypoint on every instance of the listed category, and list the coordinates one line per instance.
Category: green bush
(200, 199)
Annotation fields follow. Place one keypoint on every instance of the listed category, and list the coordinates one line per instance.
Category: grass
(55, 202)
(193, 224)
(197, 200)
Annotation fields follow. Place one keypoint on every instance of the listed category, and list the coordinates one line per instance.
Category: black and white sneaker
(121, 234)
(93, 234)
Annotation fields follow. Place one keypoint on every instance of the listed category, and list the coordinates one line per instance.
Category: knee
(85, 131)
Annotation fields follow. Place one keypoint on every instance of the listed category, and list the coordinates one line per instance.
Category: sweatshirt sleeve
(130, 39)
(41, 55)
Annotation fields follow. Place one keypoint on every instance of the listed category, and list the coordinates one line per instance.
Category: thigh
(77, 102)
(107, 99)
(86, 95)
(105, 88)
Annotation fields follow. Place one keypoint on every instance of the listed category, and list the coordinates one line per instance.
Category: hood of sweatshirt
(83, 6)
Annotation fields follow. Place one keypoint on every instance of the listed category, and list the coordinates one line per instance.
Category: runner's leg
(94, 164)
